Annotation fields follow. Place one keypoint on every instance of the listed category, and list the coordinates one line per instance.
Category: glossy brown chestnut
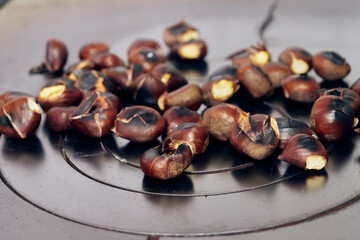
(57, 118)
(61, 92)
(106, 60)
(20, 117)
(180, 33)
(346, 94)
(256, 136)
(90, 49)
(298, 59)
(194, 134)
(300, 88)
(221, 119)
(169, 75)
(147, 90)
(255, 81)
(330, 65)
(139, 124)
(77, 69)
(148, 58)
(178, 115)
(192, 50)
(289, 127)
(218, 90)
(257, 55)
(94, 81)
(276, 73)
(11, 95)
(305, 151)
(228, 71)
(113, 99)
(94, 117)
(55, 57)
(189, 96)
(332, 118)
(356, 86)
(166, 163)
(143, 43)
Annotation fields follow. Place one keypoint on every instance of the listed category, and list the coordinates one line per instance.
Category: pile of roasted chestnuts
(88, 98)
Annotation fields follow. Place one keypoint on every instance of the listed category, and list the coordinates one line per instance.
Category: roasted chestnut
(255, 81)
(228, 71)
(139, 124)
(143, 43)
(94, 81)
(77, 69)
(20, 117)
(106, 60)
(298, 59)
(256, 136)
(113, 99)
(332, 118)
(60, 92)
(166, 163)
(305, 151)
(189, 96)
(276, 73)
(221, 119)
(11, 95)
(90, 49)
(356, 86)
(289, 127)
(330, 65)
(148, 58)
(346, 94)
(257, 55)
(193, 134)
(57, 118)
(218, 90)
(147, 90)
(178, 115)
(55, 57)
(179, 33)
(192, 50)
(169, 75)
(300, 88)
(94, 117)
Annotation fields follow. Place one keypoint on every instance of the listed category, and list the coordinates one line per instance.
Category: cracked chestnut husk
(57, 118)
(113, 99)
(298, 59)
(20, 117)
(55, 57)
(255, 81)
(143, 43)
(289, 127)
(178, 115)
(193, 50)
(75, 70)
(332, 118)
(356, 86)
(301, 88)
(147, 90)
(148, 58)
(166, 163)
(257, 55)
(90, 49)
(179, 33)
(169, 75)
(276, 72)
(330, 65)
(189, 96)
(218, 90)
(256, 136)
(305, 151)
(221, 119)
(61, 92)
(346, 94)
(228, 71)
(11, 95)
(139, 124)
(94, 81)
(106, 60)
(94, 117)
(193, 134)
(123, 77)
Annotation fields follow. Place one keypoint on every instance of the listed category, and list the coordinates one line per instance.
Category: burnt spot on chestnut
(330, 65)
(219, 90)
(139, 124)
(332, 118)
(169, 75)
(178, 115)
(90, 49)
(148, 58)
(77, 69)
(300, 88)
(180, 33)
(345, 94)
(228, 71)
(276, 73)
(257, 55)
(298, 59)
(57, 118)
(147, 90)
(20, 117)
(143, 43)
(166, 163)
(94, 81)
(106, 60)
(193, 50)
(305, 151)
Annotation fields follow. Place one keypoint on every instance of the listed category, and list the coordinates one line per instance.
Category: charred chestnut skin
(193, 134)
(189, 96)
(11, 95)
(106, 60)
(257, 55)
(330, 65)
(20, 117)
(94, 81)
(332, 118)
(139, 124)
(165, 164)
(75, 70)
(300, 88)
(147, 90)
(346, 94)
(289, 127)
(289, 56)
(178, 115)
(256, 136)
(112, 98)
(305, 151)
(94, 117)
(169, 75)
(57, 118)
(276, 72)
(148, 58)
(90, 49)
(221, 119)
(218, 90)
(178, 33)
